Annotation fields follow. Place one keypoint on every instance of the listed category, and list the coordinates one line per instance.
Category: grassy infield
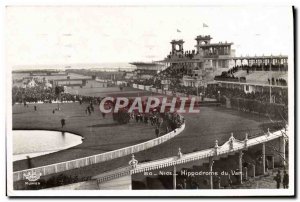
(103, 135)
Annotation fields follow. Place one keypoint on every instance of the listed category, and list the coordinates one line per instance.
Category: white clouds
(119, 34)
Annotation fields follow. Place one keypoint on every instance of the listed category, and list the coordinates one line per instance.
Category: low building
(146, 70)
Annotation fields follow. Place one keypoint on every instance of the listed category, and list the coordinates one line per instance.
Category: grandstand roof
(260, 57)
(146, 63)
(214, 44)
(184, 60)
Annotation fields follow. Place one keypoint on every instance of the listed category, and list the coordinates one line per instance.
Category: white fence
(169, 92)
(231, 146)
(154, 90)
(86, 161)
(141, 87)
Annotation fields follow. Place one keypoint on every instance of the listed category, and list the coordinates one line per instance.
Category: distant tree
(58, 90)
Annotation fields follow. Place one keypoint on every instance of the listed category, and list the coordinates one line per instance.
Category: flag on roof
(205, 25)
(178, 30)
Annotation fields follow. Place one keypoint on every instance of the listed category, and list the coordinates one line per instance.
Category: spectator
(277, 178)
(29, 162)
(89, 110)
(157, 132)
(285, 181)
(63, 122)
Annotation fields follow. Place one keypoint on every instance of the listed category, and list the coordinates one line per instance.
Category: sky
(71, 35)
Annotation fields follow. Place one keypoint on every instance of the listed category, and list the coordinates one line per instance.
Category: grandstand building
(145, 70)
(199, 66)
(216, 64)
(69, 82)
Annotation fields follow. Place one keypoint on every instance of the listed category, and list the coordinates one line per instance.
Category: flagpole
(178, 34)
(204, 25)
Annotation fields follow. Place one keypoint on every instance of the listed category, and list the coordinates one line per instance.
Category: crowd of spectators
(163, 122)
(47, 95)
(183, 54)
(278, 82)
(228, 77)
(39, 94)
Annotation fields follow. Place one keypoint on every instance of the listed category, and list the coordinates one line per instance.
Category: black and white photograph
(150, 101)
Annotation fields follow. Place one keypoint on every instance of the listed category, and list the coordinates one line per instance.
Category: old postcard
(150, 100)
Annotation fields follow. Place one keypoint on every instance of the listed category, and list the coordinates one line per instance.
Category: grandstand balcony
(210, 56)
(282, 67)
